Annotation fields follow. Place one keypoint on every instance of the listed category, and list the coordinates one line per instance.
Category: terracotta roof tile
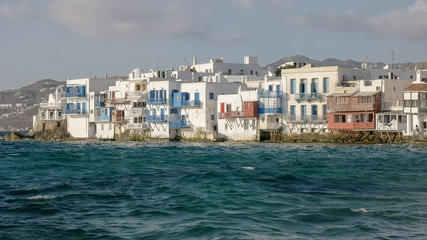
(416, 87)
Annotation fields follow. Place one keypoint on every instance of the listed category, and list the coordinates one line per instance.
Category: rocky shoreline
(63, 136)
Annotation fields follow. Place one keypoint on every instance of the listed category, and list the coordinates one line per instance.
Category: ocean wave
(360, 210)
(248, 168)
(41, 197)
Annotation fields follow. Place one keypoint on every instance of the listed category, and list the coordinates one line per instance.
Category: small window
(211, 95)
(246, 124)
(212, 117)
(58, 124)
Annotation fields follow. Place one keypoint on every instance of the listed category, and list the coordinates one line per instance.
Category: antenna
(392, 58)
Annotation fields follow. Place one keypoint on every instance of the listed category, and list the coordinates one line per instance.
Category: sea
(185, 190)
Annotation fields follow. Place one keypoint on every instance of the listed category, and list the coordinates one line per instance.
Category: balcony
(135, 95)
(119, 120)
(269, 94)
(307, 96)
(72, 112)
(232, 114)
(137, 126)
(56, 105)
(157, 119)
(102, 118)
(270, 110)
(154, 101)
(178, 124)
(137, 112)
(115, 100)
(194, 103)
(50, 117)
(99, 104)
(306, 118)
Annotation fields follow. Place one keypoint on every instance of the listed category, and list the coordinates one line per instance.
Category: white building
(78, 103)
(415, 105)
(307, 88)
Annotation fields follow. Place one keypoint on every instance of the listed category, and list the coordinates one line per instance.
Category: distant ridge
(337, 62)
(17, 107)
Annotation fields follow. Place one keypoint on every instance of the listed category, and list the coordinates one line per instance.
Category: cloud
(128, 19)
(409, 22)
(18, 10)
(252, 5)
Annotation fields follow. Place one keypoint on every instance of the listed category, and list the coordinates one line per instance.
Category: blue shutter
(162, 114)
(293, 110)
(293, 86)
(325, 85)
(314, 110)
(84, 107)
(152, 94)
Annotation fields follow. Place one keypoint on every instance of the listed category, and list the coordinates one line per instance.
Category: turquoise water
(129, 190)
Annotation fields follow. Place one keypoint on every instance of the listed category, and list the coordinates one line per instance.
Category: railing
(157, 119)
(58, 117)
(306, 118)
(73, 94)
(99, 104)
(136, 94)
(72, 111)
(102, 118)
(194, 103)
(307, 96)
(178, 124)
(119, 120)
(50, 105)
(137, 112)
(269, 94)
(270, 111)
(115, 100)
(156, 101)
(233, 114)
(136, 126)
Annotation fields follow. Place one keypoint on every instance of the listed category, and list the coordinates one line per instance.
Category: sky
(58, 39)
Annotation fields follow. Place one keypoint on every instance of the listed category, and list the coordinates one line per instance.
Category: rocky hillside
(347, 63)
(17, 107)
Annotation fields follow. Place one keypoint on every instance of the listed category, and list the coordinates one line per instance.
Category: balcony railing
(56, 117)
(119, 120)
(102, 118)
(136, 94)
(157, 119)
(156, 101)
(115, 100)
(194, 103)
(137, 112)
(178, 124)
(306, 118)
(72, 111)
(232, 114)
(307, 96)
(50, 105)
(99, 104)
(270, 111)
(269, 94)
(137, 126)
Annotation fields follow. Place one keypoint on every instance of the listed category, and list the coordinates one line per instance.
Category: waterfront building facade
(415, 105)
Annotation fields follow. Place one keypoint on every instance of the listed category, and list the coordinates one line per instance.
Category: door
(162, 114)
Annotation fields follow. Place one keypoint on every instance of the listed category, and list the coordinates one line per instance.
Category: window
(303, 86)
(325, 85)
(314, 85)
(293, 110)
(303, 110)
(270, 88)
(246, 124)
(325, 109)
(212, 117)
(293, 86)
(228, 109)
(211, 96)
(314, 110)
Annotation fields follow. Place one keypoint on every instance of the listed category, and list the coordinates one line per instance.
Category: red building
(250, 109)
(353, 111)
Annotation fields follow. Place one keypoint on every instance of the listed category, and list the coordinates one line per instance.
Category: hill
(17, 107)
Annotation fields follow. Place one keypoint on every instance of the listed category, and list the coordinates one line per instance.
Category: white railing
(50, 105)
(137, 112)
(136, 94)
(135, 126)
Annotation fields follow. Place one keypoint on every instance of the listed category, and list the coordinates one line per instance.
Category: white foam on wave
(41, 197)
(249, 168)
(359, 210)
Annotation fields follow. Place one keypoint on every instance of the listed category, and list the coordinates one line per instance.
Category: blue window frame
(293, 86)
(314, 110)
(211, 96)
(293, 110)
(325, 85)
(303, 110)
(270, 88)
(325, 110)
